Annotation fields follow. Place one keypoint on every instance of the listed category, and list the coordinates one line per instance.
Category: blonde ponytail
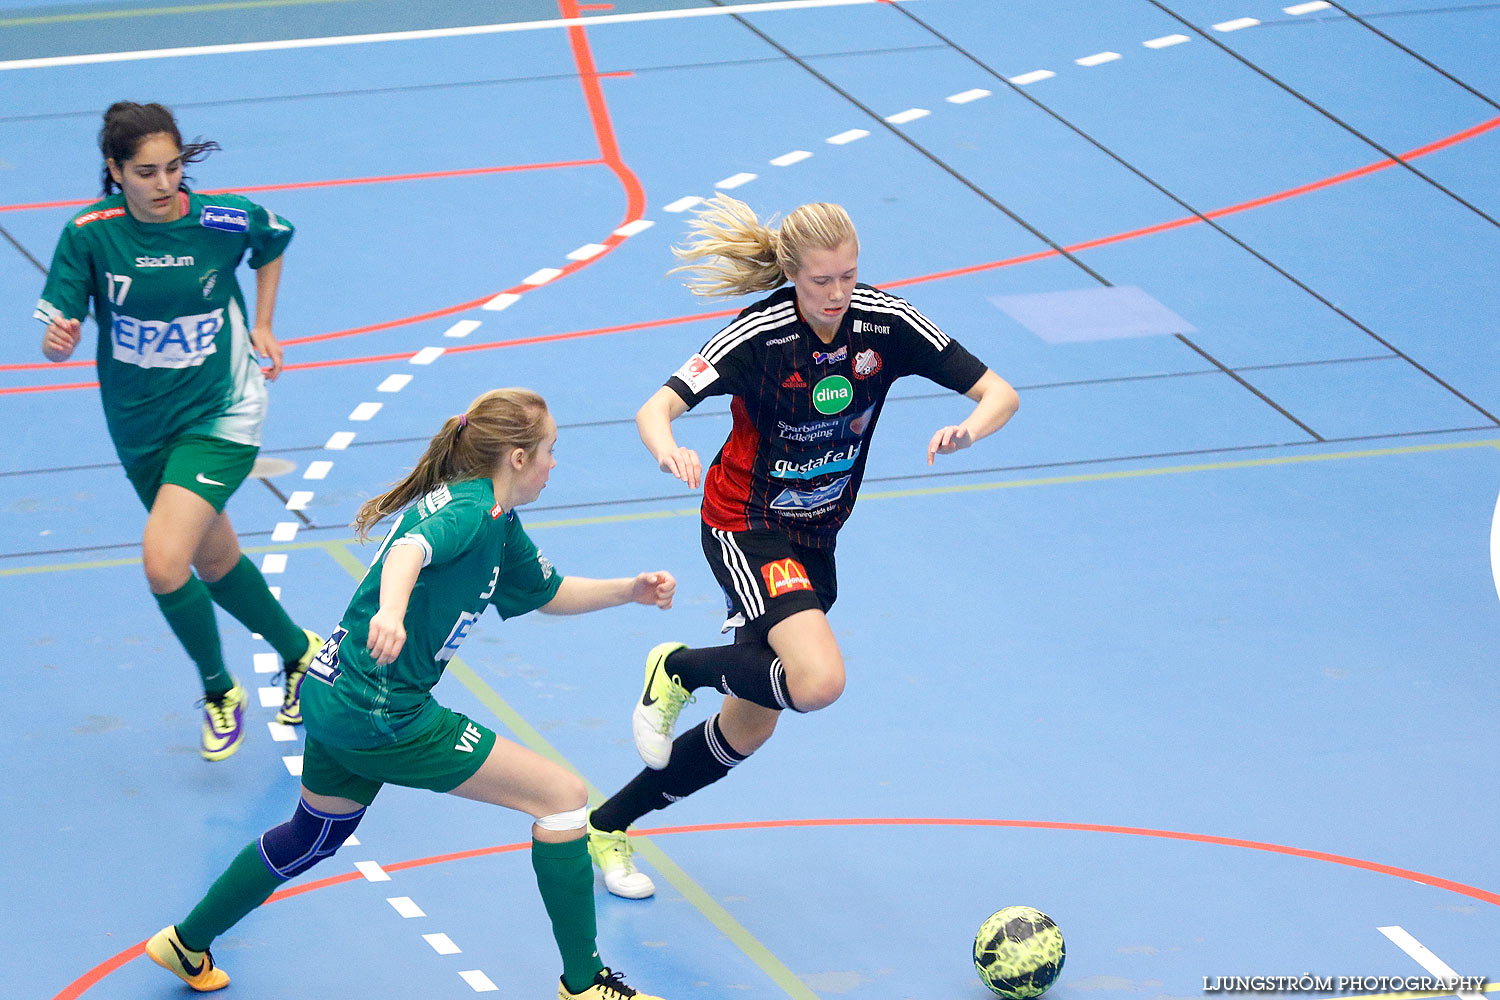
(731, 252)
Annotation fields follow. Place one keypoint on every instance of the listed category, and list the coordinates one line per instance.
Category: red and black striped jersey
(804, 411)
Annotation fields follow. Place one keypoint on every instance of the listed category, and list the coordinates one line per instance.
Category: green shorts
(439, 758)
(208, 466)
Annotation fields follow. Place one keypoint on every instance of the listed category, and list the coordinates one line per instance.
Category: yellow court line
(680, 880)
(1006, 484)
(197, 8)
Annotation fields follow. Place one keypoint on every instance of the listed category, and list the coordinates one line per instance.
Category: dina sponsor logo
(833, 394)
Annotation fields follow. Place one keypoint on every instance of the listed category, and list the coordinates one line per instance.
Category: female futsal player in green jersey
(184, 397)
(456, 549)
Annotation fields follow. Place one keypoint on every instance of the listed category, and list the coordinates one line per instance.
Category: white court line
(787, 159)
(274, 562)
(844, 138)
(1098, 59)
(338, 441)
(281, 732)
(294, 767)
(276, 591)
(735, 181)
(351, 841)
(681, 204)
(1236, 24)
(424, 34)
(964, 97)
(284, 531)
(541, 276)
(442, 944)
(587, 250)
(299, 500)
(270, 697)
(1307, 8)
(477, 980)
(1035, 76)
(318, 469)
(632, 228)
(1165, 40)
(909, 115)
(1495, 546)
(405, 906)
(371, 871)
(393, 383)
(428, 355)
(502, 301)
(464, 327)
(267, 663)
(1425, 958)
(365, 411)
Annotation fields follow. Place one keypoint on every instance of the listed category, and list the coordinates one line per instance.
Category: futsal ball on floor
(1019, 952)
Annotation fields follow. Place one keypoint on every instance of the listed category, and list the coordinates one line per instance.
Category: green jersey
(473, 555)
(174, 350)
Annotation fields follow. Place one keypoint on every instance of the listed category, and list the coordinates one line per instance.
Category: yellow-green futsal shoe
(656, 713)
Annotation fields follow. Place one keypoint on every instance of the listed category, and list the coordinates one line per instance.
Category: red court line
(637, 205)
(341, 182)
(80, 985)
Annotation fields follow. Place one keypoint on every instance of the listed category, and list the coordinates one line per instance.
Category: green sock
(245, 884)
(190, 613)
(243, 593)
(566, 880)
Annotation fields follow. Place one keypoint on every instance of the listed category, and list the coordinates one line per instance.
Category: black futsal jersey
(804, 411)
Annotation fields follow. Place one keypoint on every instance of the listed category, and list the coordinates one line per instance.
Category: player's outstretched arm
(995, 402)
(654, 422)
(267, 282)
(60, 338)
(577, 595)
(398, 575)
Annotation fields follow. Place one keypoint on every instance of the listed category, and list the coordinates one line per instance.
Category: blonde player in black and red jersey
(808, 369)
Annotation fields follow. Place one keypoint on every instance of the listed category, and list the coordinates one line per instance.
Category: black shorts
(766, 577)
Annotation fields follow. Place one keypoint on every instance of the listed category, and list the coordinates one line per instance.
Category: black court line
(995, 202)
(1388, 154)
(1362, 22)
(23, 251)
(696, 498)
(1217, 227)
(458, 84)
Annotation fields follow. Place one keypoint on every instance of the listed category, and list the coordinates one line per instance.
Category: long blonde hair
(731, 252)
(470, 446)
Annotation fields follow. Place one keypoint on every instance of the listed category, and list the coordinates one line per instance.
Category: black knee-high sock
(700, 757)
(751, 671)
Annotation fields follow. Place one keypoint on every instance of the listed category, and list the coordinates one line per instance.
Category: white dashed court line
(909, 115)
(276, 591)
(318, 470)
(1236, 24)
(274, 562)
(500, 302)
(541, 276)
(634, 228)
(442, 944)
(463, 328)
(1098, 59)
(284, 531)
(293, 765)
(267, 663)
(478, 981)
(737, 180)
(351, 841)
(393, 383)
(1307, 8)
(787, 159)
(270, 697)
(681, 204)
(299, 500)
(1165, 40)
(371, 871)
(1035, 76)
(364, 411)
(338, 442)
(1425, 958)
(404, 906)
(428, 355)
(281, 732)
(967, 96)
(844, 138)
(587, 251)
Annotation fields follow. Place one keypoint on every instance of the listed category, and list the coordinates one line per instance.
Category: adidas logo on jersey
(794, 381)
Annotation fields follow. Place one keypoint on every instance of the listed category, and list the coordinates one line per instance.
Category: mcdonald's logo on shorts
(784, 576)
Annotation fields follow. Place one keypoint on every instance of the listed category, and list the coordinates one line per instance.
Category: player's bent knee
(818, 693)
(307, 838)
(564, 822)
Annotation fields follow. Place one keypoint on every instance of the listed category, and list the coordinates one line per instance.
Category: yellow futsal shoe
(656, 713)
(292, 672)
(607, 985)
(611, 851)
(196, 968)
(223, 723)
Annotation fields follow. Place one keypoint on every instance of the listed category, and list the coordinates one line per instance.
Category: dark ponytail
(127, 123)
